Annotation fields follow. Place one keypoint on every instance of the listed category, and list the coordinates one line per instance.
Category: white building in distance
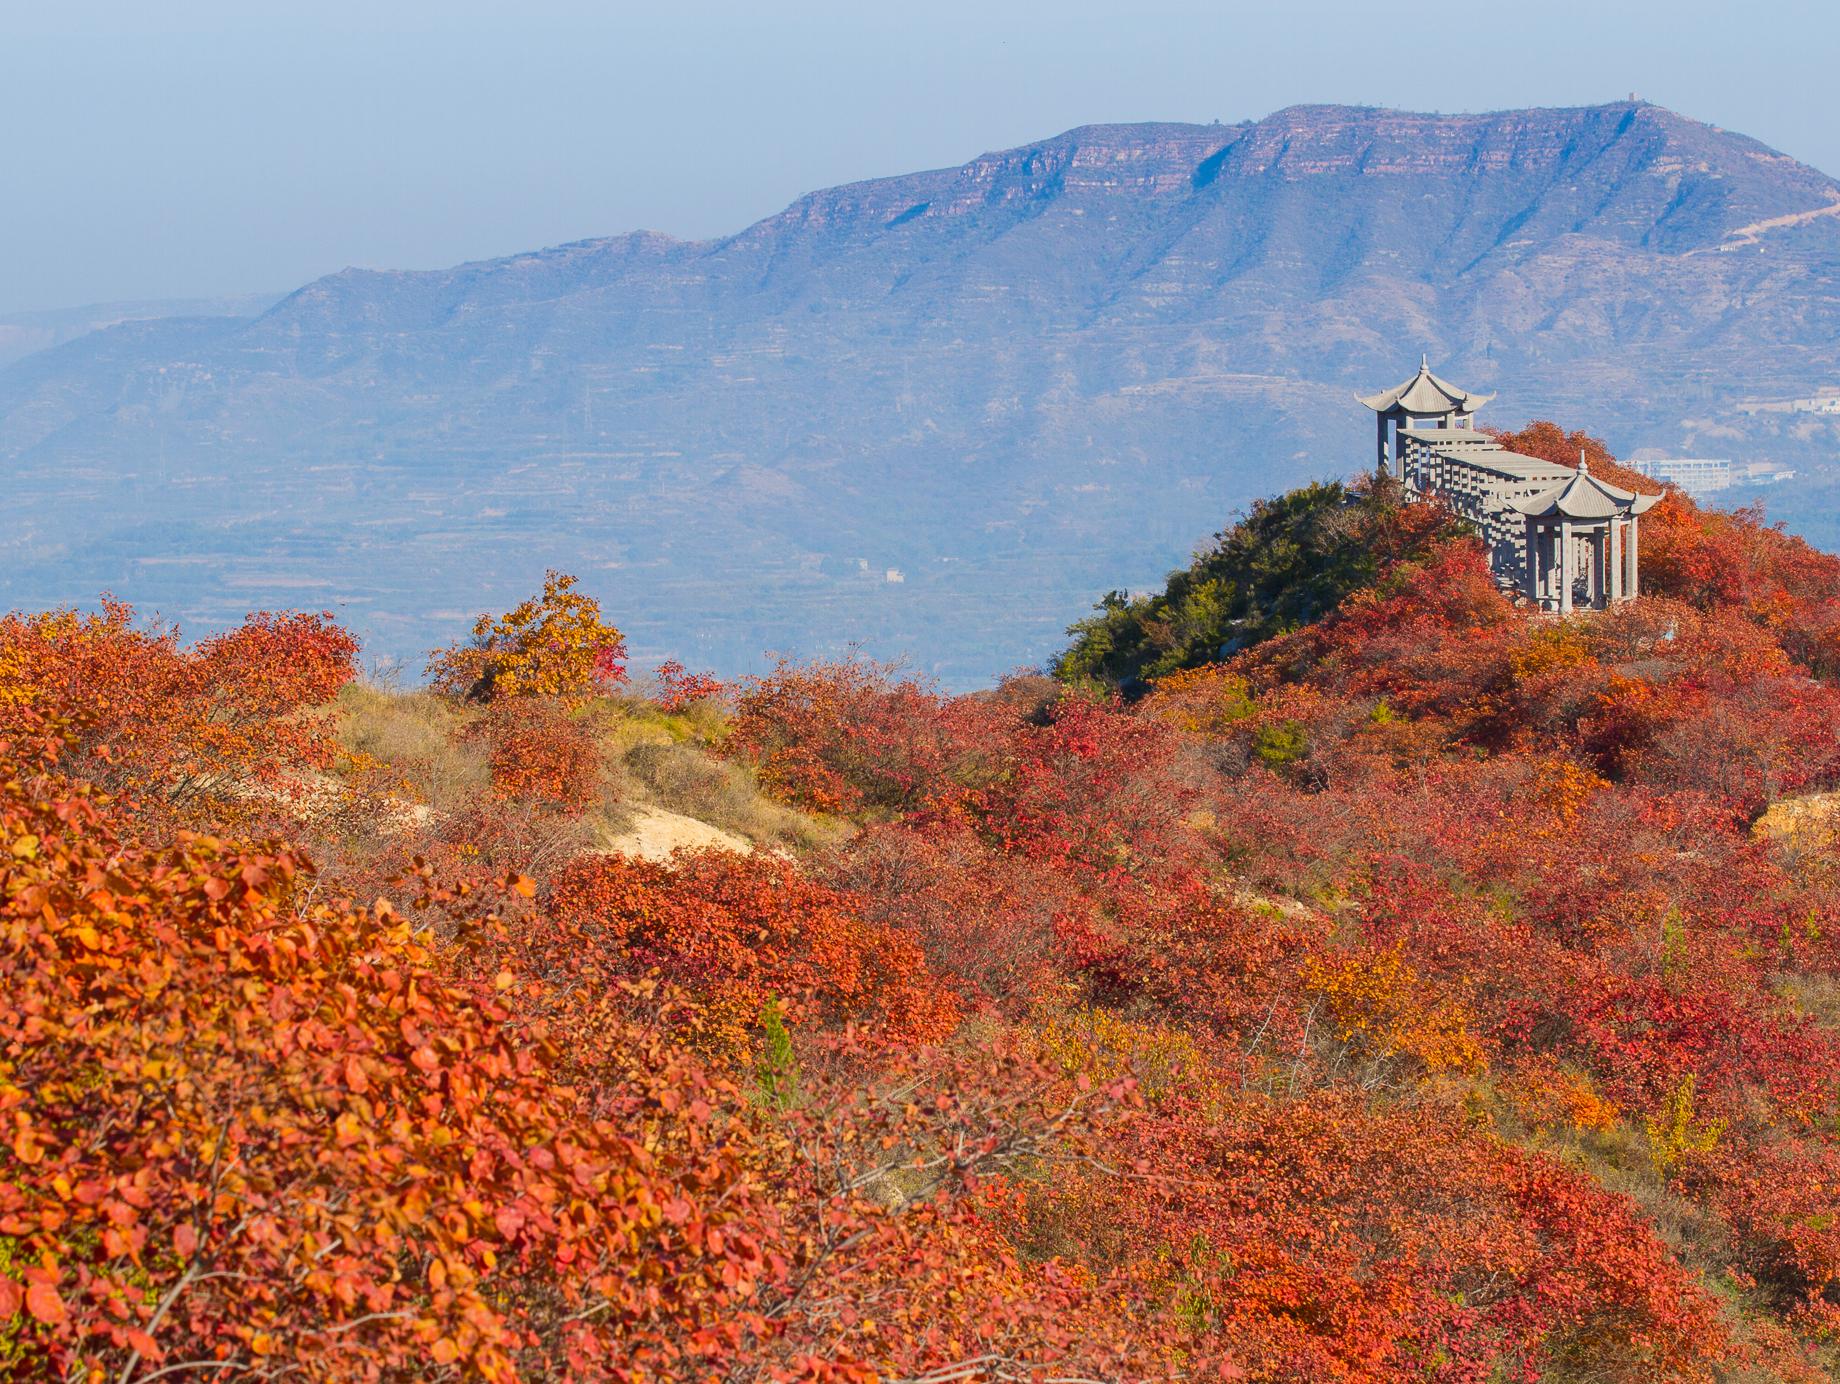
(1695, 475)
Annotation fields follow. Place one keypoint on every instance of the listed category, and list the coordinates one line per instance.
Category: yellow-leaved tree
(553, 645)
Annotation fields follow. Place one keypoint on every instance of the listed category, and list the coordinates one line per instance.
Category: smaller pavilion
(1581, 543)
(1560, 537)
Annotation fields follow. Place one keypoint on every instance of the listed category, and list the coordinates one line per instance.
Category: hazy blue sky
(211, 146)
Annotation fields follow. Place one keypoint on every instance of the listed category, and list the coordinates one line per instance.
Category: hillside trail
(1745, 236)
(648, 831)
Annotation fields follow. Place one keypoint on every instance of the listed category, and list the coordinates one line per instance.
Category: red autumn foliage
(539, 754)
(989, 923)
(1091, 787)
(1480, 1261)
(1416, 995)
(203, 734)
(365, 1167)
(1716, 560)
(853, 737)
(1777, 1198)
(250, 1129)
(738, 932)
(679, 688)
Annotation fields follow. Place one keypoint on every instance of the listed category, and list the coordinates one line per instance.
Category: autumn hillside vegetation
(1285, 564)
(1288, 562)
(1337, 973)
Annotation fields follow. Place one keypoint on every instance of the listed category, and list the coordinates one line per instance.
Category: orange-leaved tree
(552, 645)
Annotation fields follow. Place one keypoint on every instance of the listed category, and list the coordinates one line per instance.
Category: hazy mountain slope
(1011, 381)
(25, 333)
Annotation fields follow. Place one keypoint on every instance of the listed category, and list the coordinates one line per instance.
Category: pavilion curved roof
(1425, 393)
(1583, 496)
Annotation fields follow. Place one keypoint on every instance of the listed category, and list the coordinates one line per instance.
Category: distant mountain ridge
(935, 413)
(24, 333)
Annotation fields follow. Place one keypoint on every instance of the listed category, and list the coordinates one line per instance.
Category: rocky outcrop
(1807, 823)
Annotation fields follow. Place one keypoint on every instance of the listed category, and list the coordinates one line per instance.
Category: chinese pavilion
(1557, 534)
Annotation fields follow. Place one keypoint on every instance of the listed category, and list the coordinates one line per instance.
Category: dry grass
(667, 760)
(686, 779)
(1810, 993)
(415, 736)
(651, 758)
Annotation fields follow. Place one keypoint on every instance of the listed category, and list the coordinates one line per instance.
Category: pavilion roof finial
(1424, 363)
(1584, 463)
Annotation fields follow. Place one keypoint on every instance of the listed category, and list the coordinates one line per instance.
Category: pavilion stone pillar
(1530, 579)
(1631, 586)
(1614, 563)
(1380, 458)
(1566, 563)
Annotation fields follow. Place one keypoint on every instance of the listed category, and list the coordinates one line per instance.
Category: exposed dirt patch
(653, 833)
